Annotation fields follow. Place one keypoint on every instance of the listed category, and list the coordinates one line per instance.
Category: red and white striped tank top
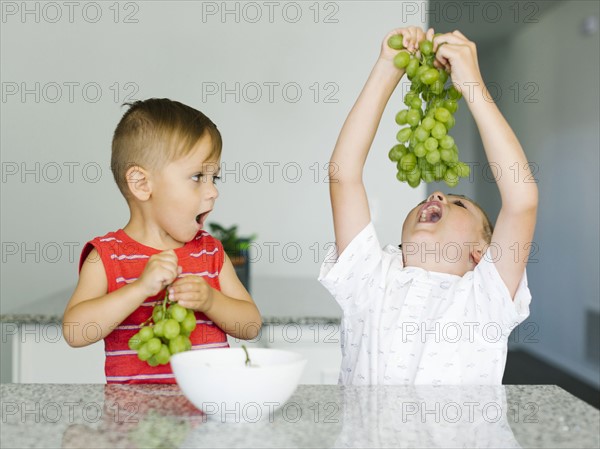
(124, 260)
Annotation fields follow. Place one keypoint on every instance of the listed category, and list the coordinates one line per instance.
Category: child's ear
(475, 256)
(138, 182)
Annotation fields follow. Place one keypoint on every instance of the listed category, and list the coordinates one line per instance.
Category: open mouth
(201, 217)
(430, 212)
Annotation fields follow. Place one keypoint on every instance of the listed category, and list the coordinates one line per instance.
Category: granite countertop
(280, 301)
(152, 416)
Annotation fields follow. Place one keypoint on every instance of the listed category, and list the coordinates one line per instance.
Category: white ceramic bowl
(218, 382)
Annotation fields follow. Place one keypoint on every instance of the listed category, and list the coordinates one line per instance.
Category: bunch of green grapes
(166, 332)
(426, 151)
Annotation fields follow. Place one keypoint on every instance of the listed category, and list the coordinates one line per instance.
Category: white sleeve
(493, 295)
(357, 276)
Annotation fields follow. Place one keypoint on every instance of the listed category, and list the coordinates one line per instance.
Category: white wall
(556, 119)
(176, 51)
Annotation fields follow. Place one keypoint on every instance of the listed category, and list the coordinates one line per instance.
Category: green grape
(450, 105)
(427, 176)
(414, 175)
(401, 117)
(428, 123)
(135, 342)
(413, 116)
(421, 70)
(178, 344)
(447, 142)
(451, 177)
(401, 175)
(172, 329)
(433, 157)
(189, 323)
(438, 131)
(431, 144)
(414, 183)
(437, 87)
(423, 164)
(446, 154)
(420, 150)
(177, 312)
(450, 123)
(462, 170)
(453, 157)
(430, 76)
(159, 329)
(163, 355)
(408, 162)
(401, 60)
(403, 135)
(410, 96)
(152, 361)
(412, 67)
(454, 94)
(153, 345)
(416, 103)
(146, 333)
(393, 154)
(158, 313)
(395, 42)
(442, 114)
(412, 142)
(443, 76)
(144, 353)
(426, 47)
(422, 134)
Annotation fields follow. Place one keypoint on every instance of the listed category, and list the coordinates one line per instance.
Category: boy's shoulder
(109, 242)
(204, 243)
(203, 238)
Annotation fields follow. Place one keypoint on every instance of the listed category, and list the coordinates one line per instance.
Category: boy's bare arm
(348, 196)
(516, 220)
(91, 308)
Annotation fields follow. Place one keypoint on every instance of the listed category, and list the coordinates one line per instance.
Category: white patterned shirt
(406, 325)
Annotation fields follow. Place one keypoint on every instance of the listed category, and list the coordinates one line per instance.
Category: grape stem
(247, 356)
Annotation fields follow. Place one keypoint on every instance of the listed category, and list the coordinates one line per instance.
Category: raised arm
(515, 225)
(348, 196)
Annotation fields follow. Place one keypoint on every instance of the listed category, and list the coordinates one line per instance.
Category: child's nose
(436, 196)
(215, 192)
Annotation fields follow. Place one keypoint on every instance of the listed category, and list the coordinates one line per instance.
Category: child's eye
(460, 203)
(198, 176)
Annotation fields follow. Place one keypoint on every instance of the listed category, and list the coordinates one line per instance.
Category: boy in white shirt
(441, 310)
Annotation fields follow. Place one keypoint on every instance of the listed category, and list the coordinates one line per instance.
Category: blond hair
(157, 131)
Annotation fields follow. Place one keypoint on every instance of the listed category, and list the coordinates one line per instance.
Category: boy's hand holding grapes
(160, 271)
(192, 292)
(411, 37)
(458, 55)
